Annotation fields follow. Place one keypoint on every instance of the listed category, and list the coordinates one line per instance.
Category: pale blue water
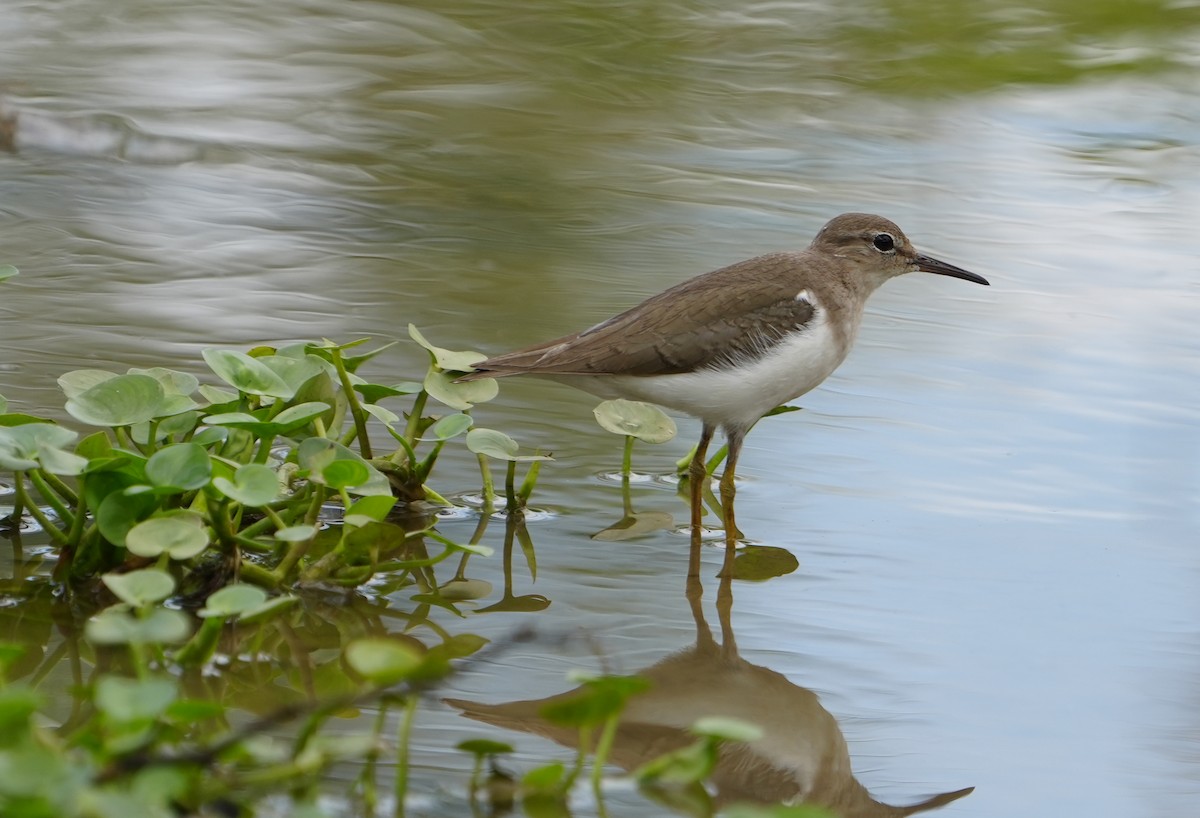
(993, 502)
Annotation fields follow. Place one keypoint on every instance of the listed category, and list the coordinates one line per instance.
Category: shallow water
(993, 502)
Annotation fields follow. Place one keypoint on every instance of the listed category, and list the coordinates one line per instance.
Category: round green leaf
(233, 600)
(253, 485)
(138, 588)
(295, 371)
(484, 747)
(120, 401)
(382, 661)
(78, 381)
(492, 443)
(635, 418)
(451, 426)
(761, 562)
(375, 507)
(269, 609)
(217, 396)
(381, 413)
(315, 454)
(342, 474)
(32, 444)
(246, 374)
(121, 510)
(181, 535)
(117, 627)
(461, 589)
(181, 466)
(128, 700)
(173, 382)
(445, 358)
(498, 445)
(299, 415)
(443, 387)
(296, 533)
(7, 271)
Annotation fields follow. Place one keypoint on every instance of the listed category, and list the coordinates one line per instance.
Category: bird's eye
(884, 242)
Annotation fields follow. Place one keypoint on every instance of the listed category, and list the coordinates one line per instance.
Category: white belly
(734, 397)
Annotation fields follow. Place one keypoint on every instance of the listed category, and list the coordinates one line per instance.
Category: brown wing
(735, 313)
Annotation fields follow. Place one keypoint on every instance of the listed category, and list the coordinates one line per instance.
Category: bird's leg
(734, 438)
(697, 477)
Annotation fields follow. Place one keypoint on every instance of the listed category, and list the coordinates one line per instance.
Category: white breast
(737, 397)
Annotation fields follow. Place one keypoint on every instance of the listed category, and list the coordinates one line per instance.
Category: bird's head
(878, 249)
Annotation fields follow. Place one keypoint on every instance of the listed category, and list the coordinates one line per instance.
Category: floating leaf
(173, 381)
(496, 444)
(131, 700)
(382, 661)
(484, 747)
(117, 627)
(233, 600)
(344, 474)
(120, 510)
(457, 590)
(296, 371)
(445, 358)
(316, 453)
(272, 607)
(261, 425)
(7, 271)
(138, 588)
(246, 374)
(78, 381)
(21, 446)
(180, 535)
(296, 533)
(376, 507)
(451, 426)
(644, 421)
(38, 443)
(181, 467)
(252, 485)
(374, 392)
(381, 413)
(600, 698)
(217, 396)
(120, 401)
(443, 387)
(762, 562)
(636, 525)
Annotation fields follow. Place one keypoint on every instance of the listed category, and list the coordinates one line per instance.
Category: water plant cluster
(211, 538)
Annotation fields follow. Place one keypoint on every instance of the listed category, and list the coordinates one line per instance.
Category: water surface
(993, 502)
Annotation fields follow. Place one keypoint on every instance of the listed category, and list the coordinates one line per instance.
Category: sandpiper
(730, 345)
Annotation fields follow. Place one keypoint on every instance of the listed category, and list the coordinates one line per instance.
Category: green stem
(414, 419)
(603, 748)
(530, 480)
(52, 499)
(489, 487)
(627, 459)
(370, 792)
(402, 748)
(64, 491)
(510, 490)
(24, 500)
(356, 410)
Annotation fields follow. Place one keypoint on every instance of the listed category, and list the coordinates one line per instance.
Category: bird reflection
(801, 756)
